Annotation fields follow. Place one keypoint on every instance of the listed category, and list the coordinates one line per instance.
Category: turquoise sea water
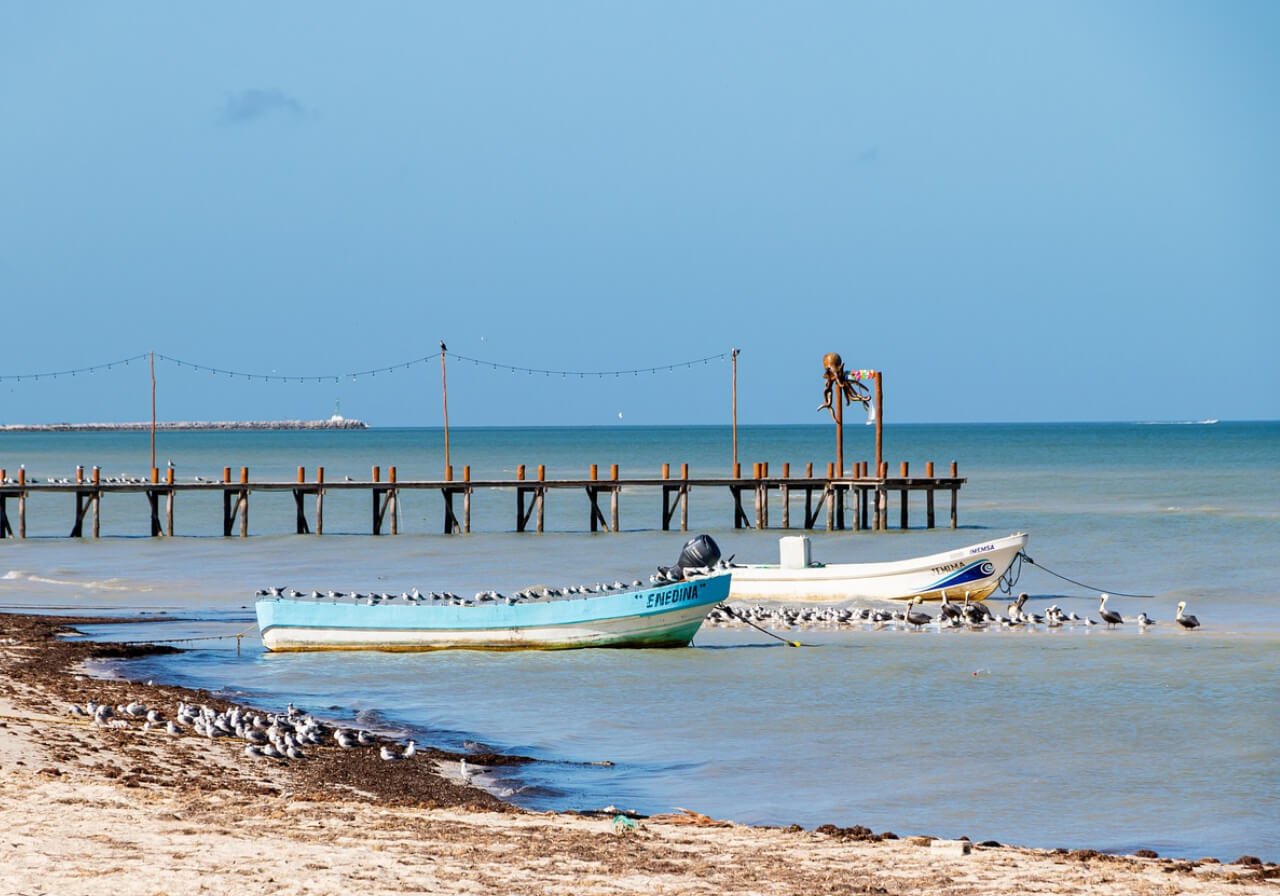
(1081, 738)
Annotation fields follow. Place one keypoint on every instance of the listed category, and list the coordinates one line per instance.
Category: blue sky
(1017, 211)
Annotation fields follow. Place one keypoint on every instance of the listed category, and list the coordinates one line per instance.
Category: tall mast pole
(153, 410)
(444, 389)
(734, 356)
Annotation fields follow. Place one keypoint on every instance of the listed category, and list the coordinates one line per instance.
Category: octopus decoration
(840, 385)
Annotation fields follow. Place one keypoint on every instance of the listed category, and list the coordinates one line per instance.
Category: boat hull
(666, 616)
(973, 571)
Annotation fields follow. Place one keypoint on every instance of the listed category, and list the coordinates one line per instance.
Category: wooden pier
(859, 501)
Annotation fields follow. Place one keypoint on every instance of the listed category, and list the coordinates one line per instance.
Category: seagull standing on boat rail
(1110, 617)
(1186, 620)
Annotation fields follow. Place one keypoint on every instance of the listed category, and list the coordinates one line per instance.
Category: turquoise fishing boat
(662, 615)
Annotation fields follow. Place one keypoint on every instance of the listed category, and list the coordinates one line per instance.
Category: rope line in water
(1074, 582)
(725, 608)
(237, 636)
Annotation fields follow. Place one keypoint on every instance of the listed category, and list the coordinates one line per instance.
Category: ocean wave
(1208, 421)
(109, 585)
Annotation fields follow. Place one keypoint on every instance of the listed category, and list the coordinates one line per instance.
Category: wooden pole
(734, 356)
(244, 503)
(444, 391)
(839, 408)
(466, 500)
(613, 497)
(153, 409)
(168, 504)
(97, 504)
(879, 378)
(319, 500)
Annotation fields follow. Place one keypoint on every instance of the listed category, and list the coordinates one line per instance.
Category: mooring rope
(725, 608)
(1027, 557)
(237, 636)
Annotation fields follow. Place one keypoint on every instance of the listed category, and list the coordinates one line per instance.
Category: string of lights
(537, 371)
(78, 371)
(275, 377)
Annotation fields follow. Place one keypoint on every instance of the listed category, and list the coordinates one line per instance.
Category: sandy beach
(87, 808)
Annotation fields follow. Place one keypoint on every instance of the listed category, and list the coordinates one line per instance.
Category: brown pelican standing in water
(1024, 616)
(1110, 617)
(916, 619)
(1187, 621)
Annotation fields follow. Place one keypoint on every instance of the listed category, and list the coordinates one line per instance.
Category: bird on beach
(388, 754)
(1186, 620)
(466, 773)
(1110, 617)
(1144, 620)
(1025, 616)
(916, 620)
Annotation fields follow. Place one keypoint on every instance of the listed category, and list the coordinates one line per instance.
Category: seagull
(466, 773)
(1110, 617)
(409, 751)
(1144, 620)
(388, 754)
(1187, 621)
(345, 739)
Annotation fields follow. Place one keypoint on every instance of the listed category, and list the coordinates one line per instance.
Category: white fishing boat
(973, 571)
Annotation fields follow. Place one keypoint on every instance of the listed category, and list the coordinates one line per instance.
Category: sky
(1017, 211)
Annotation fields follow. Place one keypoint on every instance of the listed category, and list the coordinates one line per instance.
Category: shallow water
(1080, 738)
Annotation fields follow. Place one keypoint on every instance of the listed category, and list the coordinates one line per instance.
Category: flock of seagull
(950, 615)
(281, 736)
(527, 595)
(121, 479)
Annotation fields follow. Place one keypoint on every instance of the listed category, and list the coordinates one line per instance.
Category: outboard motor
(698, 552)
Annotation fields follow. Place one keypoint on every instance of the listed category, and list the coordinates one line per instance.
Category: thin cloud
(259, 103)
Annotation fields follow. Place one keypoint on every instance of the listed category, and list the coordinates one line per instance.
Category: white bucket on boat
(794, 551)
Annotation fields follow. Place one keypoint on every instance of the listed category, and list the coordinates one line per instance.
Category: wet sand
(89, 809)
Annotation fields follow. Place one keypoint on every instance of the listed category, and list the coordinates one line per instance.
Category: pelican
(948, 609)
(916, 619)
(1187, 621)
(1110, 617)
(1024, 616)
